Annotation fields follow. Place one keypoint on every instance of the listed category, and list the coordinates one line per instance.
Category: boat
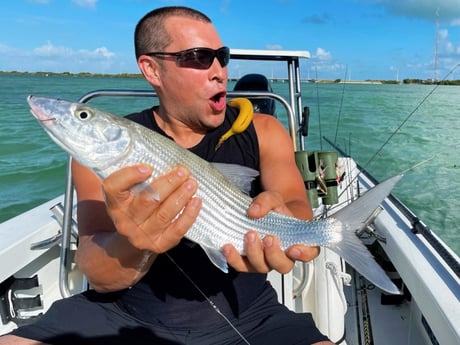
(37, 247)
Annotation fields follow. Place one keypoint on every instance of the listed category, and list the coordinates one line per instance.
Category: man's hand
(154, 222)
(263, 255)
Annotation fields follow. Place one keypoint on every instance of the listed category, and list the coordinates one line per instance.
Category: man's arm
(278, 170)
(121, 234)
(284, 192)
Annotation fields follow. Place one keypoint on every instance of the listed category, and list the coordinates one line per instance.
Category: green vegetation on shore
(138, 75)
(431, 82)
(69, 74)
(405, 81)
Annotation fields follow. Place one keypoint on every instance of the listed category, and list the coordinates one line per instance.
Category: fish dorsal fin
(239, 175)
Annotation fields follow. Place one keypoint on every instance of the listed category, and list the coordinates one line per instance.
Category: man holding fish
(149, 283)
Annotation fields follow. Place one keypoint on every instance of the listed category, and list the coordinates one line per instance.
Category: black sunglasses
(198, 58)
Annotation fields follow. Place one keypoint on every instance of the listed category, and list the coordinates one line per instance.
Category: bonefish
(105, 143)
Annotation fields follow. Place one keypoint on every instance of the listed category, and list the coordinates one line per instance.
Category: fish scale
(105, 143)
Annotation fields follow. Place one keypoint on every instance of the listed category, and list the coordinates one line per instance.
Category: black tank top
(165, 295)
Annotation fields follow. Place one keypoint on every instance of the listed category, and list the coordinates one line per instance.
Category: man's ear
(149, 68)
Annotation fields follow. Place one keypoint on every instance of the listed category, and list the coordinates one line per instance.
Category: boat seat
(257, 82)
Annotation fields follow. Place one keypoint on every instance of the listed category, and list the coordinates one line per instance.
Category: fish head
(94, 138)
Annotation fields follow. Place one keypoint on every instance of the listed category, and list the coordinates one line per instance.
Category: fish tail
(351, 249)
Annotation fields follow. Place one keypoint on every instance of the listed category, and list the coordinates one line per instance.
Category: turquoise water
(359, 118)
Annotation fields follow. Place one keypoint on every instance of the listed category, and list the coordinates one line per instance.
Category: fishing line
(360, 169)
(319, 112)
(408, 117)
(213, 305)
(341, 106)
(195, 285)
(416, 165)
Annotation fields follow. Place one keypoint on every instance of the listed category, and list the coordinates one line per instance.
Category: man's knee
(15, 340)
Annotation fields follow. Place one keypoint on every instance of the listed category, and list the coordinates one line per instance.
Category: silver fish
(105, 143)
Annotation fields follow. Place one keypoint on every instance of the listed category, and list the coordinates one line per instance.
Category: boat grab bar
(58, 212)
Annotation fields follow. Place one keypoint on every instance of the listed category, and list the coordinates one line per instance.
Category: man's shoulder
(265, 122)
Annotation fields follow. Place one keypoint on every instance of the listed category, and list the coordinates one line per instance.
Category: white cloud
(97, 53)
(446, 46)
(85, 3)
(323, 62)
(448, 53)
(446, 13)
(448, 10)
(442, 34)
(48, 50)
(274, 46)
(4, 49)
(323, 55)
(49, 57)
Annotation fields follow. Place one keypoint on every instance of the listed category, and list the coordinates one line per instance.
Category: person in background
(150, 285)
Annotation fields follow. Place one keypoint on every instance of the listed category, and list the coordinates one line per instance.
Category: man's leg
(15, 340)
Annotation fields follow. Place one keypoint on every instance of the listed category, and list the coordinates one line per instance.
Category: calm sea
(359, 118)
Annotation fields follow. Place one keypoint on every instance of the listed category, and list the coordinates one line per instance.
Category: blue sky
(352, 39)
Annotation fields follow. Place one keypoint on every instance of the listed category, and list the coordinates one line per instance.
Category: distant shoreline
(379, 82)
(69, 74)
(273, 80)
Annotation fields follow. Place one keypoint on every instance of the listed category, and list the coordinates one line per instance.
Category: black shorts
(92, 318)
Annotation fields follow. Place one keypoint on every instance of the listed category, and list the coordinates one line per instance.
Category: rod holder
(307, 163)
(328, 162)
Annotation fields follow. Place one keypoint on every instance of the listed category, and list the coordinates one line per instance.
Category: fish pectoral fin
(145, 187)
(241, 176)
(217, 257)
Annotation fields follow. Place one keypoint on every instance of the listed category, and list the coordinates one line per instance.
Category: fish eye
(84, 114)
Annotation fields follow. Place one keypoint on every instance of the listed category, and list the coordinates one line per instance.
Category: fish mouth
(38, 112)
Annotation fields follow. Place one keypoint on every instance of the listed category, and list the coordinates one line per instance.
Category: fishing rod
(417, 225)
(341, 106)
(362, 167)
(319, 112)
(410, 115)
